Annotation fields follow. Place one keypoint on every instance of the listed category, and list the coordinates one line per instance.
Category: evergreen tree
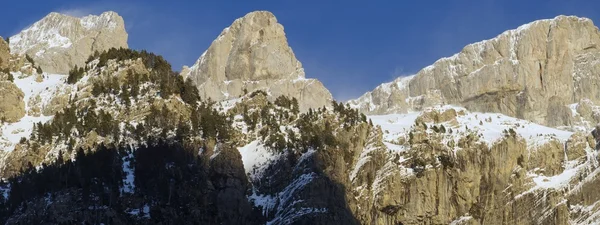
(295, 107)
(29, 59)
(124, 95)
(74, 74)
(189, 93)
(11, 78)
(183, 129)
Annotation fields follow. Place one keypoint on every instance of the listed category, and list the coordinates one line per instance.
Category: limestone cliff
(252, 54)
(59, 42)
(12, 106)
(4, 54)
(531, 72)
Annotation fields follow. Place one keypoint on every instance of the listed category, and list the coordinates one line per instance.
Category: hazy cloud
(77, 12)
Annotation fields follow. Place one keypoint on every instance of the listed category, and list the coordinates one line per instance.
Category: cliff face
(532, 72)
(437, 172)
(4, 54)
(59, 42)
(253, 54)
(12, 106)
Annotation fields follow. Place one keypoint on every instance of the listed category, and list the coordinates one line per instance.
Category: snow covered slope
(491, 126)
(13, 132)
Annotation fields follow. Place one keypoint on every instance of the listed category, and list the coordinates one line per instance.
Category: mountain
(533, 72)
(58, 42)
(124, 139)
(253, 54)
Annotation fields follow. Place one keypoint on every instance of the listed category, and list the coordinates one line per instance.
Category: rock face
(4, 54)
(59, 42)
(253, 54)
(531, 72)
(12, 106)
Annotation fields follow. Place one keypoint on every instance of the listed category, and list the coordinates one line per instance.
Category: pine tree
(74, 74)
(11, 78)
(125, 95)
(190, 93)
(183, 129)
(29, 59)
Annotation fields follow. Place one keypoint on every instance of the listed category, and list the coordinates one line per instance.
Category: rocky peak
(58, 42)
(532, 72)
(252, 54)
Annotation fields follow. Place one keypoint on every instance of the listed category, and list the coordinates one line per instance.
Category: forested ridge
(163, 167)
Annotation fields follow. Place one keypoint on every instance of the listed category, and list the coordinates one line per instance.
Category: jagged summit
(532, 72)
(58, 42)
(252, 54)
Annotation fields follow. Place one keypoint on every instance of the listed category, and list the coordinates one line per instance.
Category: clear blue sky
(351, 46)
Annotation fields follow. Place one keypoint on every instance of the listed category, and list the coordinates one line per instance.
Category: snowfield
(13, 132)
(489, 125)
(254, 156)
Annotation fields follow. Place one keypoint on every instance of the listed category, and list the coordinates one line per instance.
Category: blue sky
(351, 46)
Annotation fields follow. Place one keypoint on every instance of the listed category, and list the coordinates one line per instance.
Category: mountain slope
(123, 139)
(59, 42)
(532, 72)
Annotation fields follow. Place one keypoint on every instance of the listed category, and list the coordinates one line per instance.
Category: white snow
(572, 170)
(145, 211)
(534, 134)
(254, 155)
(13, 132)
(38, 34)
(226, 105)
(292, 215)
(590, 214)
(128, 181)
(557, 181)
(489, 125)
(461, 220)
(32, 88)
(5, 190)
(573, 108)
(49, 32)
(365, 155)
(266, 202)
(286, 199)
(402, 82)
(395, 125)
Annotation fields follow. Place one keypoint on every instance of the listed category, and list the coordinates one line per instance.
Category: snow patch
(461, 220)
(254, 155)
(128, 170)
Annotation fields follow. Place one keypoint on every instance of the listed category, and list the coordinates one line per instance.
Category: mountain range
(503, 132)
